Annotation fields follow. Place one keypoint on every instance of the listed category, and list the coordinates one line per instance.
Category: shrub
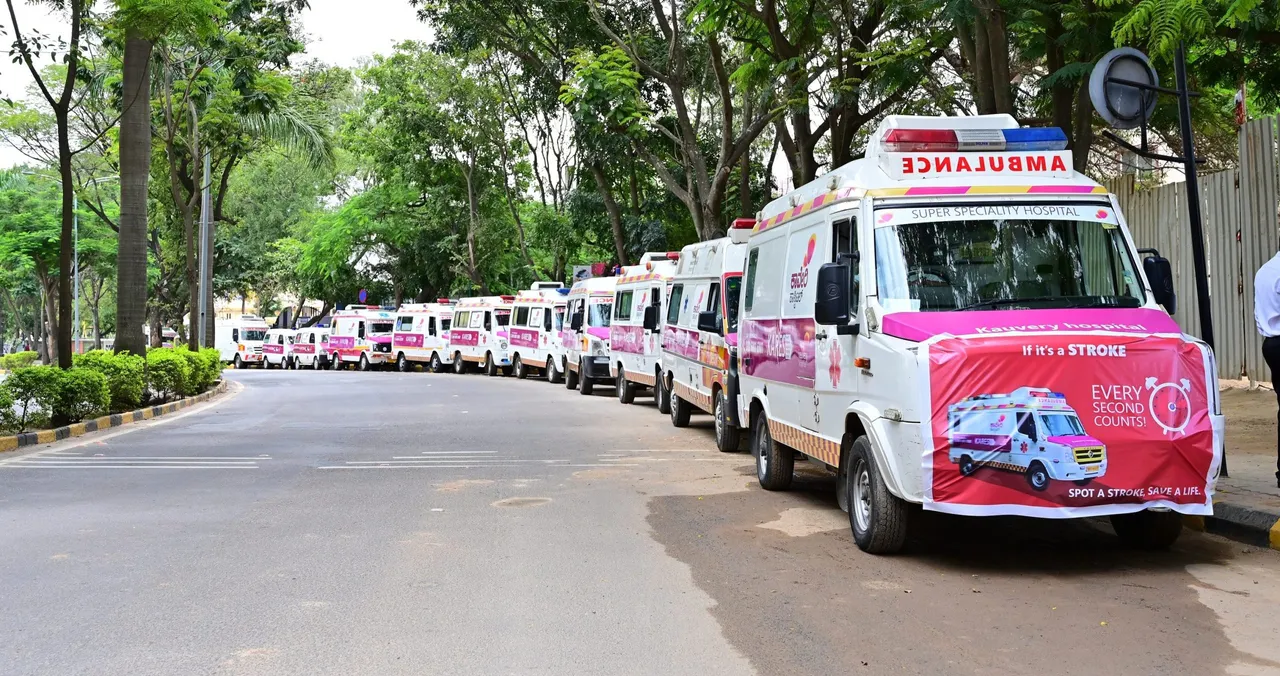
(168, 373)
(125, 373)
(197, 372)
(8, 417)
(34, 391)
(17, 360)
(82, 393)
(214, 358)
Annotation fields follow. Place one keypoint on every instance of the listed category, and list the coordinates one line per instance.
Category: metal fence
(1242, 231)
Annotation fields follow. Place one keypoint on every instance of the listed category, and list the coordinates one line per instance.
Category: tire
(436, 365)
(775, 463)
(520, 370)
(680, 410)
(570, 380)
(1147, 529)
(661, 395)
(336, 362)
(554, 375)
(1038, 476)
(402, 364)
(877, 517)
(490, 367)
(626, 388)
(237, 362)
(586, 386)
(967, 466)
(364, 363)
(459, 366)
(266, 364)
(315, 363)
(727, 436)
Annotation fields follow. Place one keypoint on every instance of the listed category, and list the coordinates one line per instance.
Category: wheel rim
(762, 453)
(719, 413)
(860, 505)
(1039, 478)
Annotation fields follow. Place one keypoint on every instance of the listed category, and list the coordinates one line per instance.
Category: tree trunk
(984, 93)
(66, 250)
(615, 214)
(473, 218)
(135, 170)
(998, 46)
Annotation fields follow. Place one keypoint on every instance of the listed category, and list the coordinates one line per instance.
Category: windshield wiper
(998, 302)
(1072, 302)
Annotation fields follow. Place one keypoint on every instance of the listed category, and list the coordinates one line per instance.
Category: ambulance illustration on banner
(1031, 431)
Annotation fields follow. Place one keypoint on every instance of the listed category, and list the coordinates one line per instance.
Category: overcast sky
(339, 32)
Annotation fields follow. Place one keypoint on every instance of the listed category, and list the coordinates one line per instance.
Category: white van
(277, 349)
(963, 257)
(422, 334)
(700, 336)
(311, 348)
(479, 334)
(586, 336)
(239, 340)
(361, 335)
(634, 341)
(537, 320)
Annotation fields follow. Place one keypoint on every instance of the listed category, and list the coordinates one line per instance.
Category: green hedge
(82, 394)
(18, 360)
(168, 372)
(125, 374)
(34, 391)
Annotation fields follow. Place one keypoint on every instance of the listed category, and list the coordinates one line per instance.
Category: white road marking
(458, 452)
(83, 466)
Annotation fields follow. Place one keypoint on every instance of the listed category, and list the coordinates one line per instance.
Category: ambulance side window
(522, 317)
(488, 321)
(360, 330)
(546, 320)
(431, 326)
(844, 240)
(752, 260)
(673, 308)
(1027, 426)
(713, 303)
(235, 335)
(622, 305)
(311, 339)
(404, 323)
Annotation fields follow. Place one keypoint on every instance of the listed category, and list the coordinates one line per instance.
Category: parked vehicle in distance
(537, 319)
(360, 335)
(586, 335)
(277, 349)
(311, 348)
(634, 339)
(479, 334)
(239, 340)
(700, 335)
(422, 334)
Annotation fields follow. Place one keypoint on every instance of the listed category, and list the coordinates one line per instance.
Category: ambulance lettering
(981, 164)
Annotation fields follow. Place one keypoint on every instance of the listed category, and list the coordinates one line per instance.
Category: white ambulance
(634, 333)
(478, 334)
(537, 319)
(422, 334)
(311, 348)
(239, 340)
(586, 335)
(700, 334)
(1031, 431)
(277, 349)
(361, 335)
(964, 256)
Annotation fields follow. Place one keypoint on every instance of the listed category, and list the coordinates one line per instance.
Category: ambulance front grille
(1089, 455)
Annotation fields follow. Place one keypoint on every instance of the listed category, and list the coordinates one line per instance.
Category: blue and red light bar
(961, 140)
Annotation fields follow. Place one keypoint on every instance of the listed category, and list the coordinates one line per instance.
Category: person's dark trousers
(1271, 352)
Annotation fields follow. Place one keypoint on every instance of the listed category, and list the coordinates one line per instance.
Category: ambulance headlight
(599, 349)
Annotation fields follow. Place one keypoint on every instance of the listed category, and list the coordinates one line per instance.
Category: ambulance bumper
(595, 368)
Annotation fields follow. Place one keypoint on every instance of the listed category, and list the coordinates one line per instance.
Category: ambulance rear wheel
(436, 365)
(570, 380)
(316, 363)
(626, 389)
(553, 374)
(518, 367)
(1147, 529)
(364, 363)
(775, 463)
(1038, 476)
(680, 410)
(661, 394)
(459, 366)
(587, 386)
(490, 367)
(402, 364)
(726, 432)
(877, 517)
(335, 362)
(967, 466)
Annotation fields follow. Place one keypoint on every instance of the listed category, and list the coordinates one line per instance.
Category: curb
(1242, 524)
(14, 442)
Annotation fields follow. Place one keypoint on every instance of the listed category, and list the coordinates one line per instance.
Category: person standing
(1266, 313)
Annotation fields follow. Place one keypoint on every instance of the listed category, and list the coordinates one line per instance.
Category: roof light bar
(744, 223)
(960, 140)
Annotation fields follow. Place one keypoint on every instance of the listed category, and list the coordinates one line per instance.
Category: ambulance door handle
(821, 335)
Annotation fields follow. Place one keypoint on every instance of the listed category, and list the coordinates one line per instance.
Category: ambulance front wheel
(775, 463)
(402, 364)
(364, 363)
(1147, 529)
(554, 375)
(680, 410)
(726, 431)
(436, 365)
(586, 386)
(877, 517)
(490, 366)
(626, 389)
(661, 393)
(237, 363)
(967, 466)
(1038, 476)
(335, 362)
(570, 379)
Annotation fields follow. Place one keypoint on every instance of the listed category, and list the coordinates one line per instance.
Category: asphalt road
(386, 523)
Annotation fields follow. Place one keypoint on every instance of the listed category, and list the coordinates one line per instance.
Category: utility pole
(206, 252)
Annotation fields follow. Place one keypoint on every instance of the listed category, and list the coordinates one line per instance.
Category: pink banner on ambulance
(919, 326)
(628, 339)
(1067, 426)
(464, 337)
(342, 342)
(272, 349)
(680, 341)
(408, 339)
(524, 337)
(781, 350)
(304, 348)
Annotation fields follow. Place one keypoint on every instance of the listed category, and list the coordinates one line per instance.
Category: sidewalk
(1247, 504)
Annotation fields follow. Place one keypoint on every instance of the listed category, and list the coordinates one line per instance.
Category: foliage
(34, 391)
(82, 394)
(17, 360)
(8, 417)
(125, 374)
(168, 372)
(204, 368)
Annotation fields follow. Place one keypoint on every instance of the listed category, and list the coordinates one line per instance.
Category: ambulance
(239, 340)
(277, 349)
(586, 337)
(361, 335)
(422, 334)
(962, 257)
(479, 334)
(537, 320)
(634, 334)
(1031, 431)
(311, 348)
(700, 334)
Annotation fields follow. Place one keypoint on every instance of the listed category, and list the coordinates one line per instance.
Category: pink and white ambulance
(537, 320)
(479, 335)
(700, 336)
(277, 349)
(361, 335)
(422, 335)
(586, 334)
(635, 344)
(311, 348)
(959, 258)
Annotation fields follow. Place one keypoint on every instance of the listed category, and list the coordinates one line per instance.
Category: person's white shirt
(1266, 298)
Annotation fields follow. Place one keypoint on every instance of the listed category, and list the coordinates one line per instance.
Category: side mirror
(708, 321)
(1160, 274)
(832, 304)
(651, 318)
(576, 323)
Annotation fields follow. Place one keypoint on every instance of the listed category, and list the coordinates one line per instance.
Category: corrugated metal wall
(1242, 231)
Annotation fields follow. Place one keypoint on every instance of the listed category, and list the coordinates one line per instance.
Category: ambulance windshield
(600, 313)
(253, 334)
(1062, 425)
(380, 327)
(1003, 263)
